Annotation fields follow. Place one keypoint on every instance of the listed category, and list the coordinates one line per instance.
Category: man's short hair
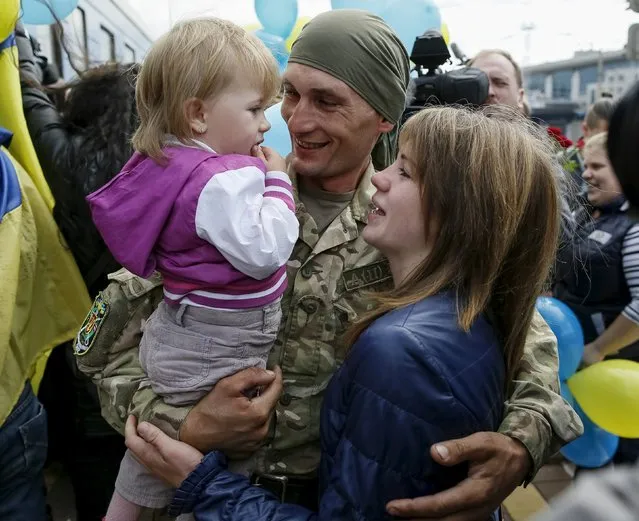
(518, 74)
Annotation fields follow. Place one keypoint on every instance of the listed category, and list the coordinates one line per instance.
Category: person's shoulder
(120, 304)
(411, 332)
(432, 326)
(132, 286)
(419, 359)
(425, 340)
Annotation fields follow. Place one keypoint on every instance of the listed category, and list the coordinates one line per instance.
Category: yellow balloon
(297, 29)
(607, 392)
(251, 28)
(445, 32)
(8, 17)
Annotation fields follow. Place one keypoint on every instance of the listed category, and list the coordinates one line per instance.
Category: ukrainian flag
(11, 115)
(43, 299)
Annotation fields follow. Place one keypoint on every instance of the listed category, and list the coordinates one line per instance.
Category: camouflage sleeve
(535, 413)
(106, 349)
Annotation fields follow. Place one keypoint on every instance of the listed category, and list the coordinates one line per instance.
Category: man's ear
(521, 96)
(385, 126)
(194, 113)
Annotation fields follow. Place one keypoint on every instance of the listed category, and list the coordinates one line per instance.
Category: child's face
(234, 120)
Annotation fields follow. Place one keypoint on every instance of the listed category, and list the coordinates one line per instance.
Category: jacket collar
(361, 202)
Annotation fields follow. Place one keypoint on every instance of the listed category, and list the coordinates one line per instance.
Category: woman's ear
(194, 112)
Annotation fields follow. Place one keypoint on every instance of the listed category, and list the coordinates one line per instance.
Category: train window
(107, 45)
(129, 54)
(79, 38)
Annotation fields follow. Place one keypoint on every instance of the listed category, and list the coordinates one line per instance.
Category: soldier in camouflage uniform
(330, 272)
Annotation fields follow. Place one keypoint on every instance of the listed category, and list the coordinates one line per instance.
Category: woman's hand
(165, 457)
(592, 354)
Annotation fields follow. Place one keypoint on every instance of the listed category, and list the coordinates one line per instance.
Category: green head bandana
(361, 50)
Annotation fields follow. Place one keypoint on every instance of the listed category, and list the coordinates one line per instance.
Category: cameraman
(505, 77)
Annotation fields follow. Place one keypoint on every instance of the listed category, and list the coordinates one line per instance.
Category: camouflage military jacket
(329, 276)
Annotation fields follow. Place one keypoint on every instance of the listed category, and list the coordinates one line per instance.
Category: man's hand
(498, 464)
(165, 457)
(226, 419)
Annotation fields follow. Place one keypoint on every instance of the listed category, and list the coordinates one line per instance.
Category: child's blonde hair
(598, 143)
(197, 58)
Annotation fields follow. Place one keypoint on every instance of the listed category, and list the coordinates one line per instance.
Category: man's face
(333, 130)
(504, 89)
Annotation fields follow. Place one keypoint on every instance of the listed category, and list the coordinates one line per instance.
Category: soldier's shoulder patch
(365, 276)
(91, 326)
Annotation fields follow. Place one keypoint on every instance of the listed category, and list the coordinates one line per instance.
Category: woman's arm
(625, 328)
(204, 485)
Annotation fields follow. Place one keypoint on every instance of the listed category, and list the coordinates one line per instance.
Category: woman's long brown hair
(490, 182)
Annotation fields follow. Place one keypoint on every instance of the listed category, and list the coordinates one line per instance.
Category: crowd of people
(345, 333)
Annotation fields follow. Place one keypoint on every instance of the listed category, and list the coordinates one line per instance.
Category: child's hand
(271, 158)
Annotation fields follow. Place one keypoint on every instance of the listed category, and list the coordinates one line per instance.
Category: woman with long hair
(468, 218)
(81, 142)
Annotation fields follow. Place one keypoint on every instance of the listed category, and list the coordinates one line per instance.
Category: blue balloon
(276, 45)
(278, 17)
(566, 327)
(595, 447)
(411, 18)
(278, 137)
(45, 12)
(374, 6)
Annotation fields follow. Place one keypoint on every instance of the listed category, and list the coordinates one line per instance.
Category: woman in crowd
(468, 217)
(598, 272)
(81, 144)
(597, 277)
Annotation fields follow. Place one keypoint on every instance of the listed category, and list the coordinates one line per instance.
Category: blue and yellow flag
(11, 115)
(43, 299)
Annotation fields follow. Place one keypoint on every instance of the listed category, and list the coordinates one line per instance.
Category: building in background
(97, 31)
(560, 92)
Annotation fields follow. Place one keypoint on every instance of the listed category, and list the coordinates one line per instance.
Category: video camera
(464, 86)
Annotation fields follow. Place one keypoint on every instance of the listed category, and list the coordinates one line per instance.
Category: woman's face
(396, 224)
(603, 185)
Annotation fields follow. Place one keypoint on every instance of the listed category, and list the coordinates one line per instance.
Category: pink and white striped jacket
(219, 228)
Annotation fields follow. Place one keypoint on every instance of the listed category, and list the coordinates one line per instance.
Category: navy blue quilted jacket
(413, 378)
